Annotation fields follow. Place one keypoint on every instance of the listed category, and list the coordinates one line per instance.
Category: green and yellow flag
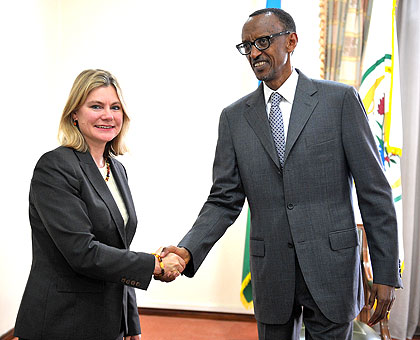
(246, 289)
(380, 92)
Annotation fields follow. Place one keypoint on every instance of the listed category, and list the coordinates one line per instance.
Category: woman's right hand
(173, 266)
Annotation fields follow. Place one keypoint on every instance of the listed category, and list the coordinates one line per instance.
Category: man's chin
(260, 76)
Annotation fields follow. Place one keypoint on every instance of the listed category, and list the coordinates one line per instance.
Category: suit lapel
(92, 173)
(120, 179)
(304, 104)
(256, 116)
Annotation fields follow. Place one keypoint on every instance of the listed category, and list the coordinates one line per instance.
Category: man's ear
(292, 42)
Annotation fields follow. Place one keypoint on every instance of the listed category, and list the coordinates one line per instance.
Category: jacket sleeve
(223, 205)
(57, 206)
(373, 191)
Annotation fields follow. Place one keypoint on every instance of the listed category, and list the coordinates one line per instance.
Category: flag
(380, 92)
(246, 288)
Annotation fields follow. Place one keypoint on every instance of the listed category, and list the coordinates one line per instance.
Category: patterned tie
(277, 127)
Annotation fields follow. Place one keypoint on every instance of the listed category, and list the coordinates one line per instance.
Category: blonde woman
(83, 275)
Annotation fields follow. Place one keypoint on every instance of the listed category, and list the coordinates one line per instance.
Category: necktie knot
(276, 98)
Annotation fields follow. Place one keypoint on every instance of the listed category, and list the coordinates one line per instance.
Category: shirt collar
(287, 90)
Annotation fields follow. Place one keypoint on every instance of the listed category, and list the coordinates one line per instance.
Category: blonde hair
(68, 134)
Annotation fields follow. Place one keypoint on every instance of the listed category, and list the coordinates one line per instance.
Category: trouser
(317, 326)
(119, 337)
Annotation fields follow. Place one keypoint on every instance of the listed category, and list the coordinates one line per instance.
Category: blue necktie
(277, 127)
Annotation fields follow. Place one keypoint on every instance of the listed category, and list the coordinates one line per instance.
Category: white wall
(178, 68)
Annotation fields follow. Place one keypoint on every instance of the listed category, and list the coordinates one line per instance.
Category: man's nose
(255, 52)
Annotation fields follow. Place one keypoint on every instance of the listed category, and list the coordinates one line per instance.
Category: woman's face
(100, 118)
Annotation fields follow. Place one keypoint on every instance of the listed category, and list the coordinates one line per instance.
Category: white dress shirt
(287, 91)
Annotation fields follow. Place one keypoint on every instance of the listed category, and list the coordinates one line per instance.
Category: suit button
(137, 284)
(133, 282)
(290, 206)
(290, 244)
(123, 280)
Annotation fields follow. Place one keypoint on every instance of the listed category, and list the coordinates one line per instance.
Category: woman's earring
(75, 123)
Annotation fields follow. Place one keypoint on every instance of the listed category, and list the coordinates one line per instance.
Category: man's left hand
(132, 337)
(385, 296)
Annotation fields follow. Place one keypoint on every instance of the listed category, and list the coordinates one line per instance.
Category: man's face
(273, 64)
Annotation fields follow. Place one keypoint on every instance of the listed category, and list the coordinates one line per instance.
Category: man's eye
(262, 41)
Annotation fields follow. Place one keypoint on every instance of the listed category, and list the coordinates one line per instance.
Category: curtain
(405, 314)
(344, 28)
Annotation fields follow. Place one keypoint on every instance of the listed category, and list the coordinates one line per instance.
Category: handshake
(170, 262)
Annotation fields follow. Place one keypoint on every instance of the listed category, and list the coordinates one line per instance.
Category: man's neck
(276, 84)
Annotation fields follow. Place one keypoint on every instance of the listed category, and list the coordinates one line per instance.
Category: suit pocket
(256, 247)
(71, 284)
(321, 151)
(323, 143)
(343, 239)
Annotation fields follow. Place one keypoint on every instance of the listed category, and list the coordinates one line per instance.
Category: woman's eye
(95, 107)
(116, 107)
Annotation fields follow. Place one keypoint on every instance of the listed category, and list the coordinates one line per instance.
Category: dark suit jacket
(82, 276)
(306, 207)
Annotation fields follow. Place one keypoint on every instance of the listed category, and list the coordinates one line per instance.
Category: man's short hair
(284, 17)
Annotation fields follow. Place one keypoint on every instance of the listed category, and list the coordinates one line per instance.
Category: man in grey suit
(294, 156)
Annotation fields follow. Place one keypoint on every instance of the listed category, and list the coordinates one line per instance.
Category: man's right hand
(182, 252)
(173, 266)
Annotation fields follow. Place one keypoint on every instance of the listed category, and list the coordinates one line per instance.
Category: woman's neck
(98, 157)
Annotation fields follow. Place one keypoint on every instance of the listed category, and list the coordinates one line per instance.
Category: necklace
(108, 170)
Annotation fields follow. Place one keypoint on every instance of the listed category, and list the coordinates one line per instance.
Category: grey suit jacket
(306, 207)
(82, 276)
